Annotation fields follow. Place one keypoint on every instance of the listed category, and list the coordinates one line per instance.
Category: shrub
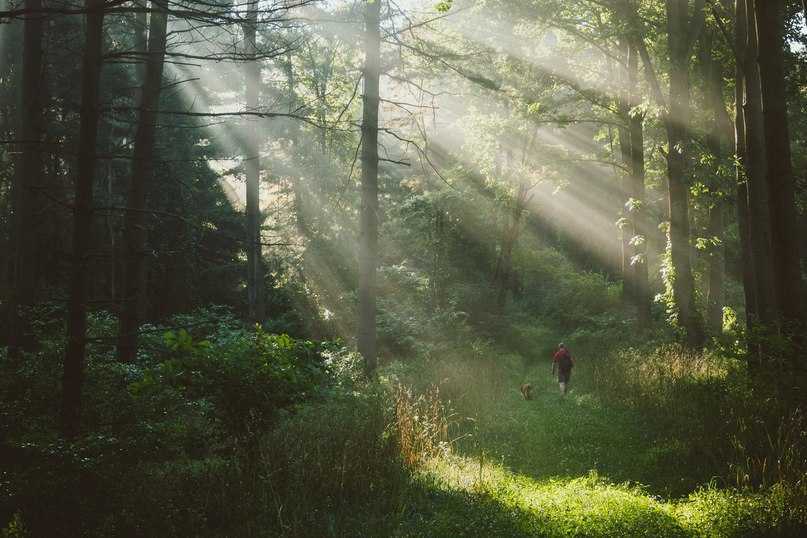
(241, 385)
(554, 290)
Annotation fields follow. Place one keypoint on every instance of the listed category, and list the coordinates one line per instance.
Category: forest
(304, 268)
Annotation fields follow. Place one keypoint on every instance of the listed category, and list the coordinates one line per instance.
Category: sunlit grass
(587, 505)
(581, 466)
(592, 506)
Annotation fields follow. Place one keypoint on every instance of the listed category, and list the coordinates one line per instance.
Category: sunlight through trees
(202, 203)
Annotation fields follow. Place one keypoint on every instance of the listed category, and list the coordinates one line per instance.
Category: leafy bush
(554, 290)
(241, 385)
(149, 459)
(412, 323)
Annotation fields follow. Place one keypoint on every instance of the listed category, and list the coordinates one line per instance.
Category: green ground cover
(572, 466)
(441, 447)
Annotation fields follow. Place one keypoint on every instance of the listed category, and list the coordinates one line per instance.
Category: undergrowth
(649, 441)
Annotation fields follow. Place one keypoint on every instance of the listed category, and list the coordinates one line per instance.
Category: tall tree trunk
(717, 141)
(141, 178)
(27, 183)
(641, 291)
(368, 233)
(677, 126)
(787, 267)
(73, 374)
(625, 179)
(252, 166)
(755, 172)
(294, 138)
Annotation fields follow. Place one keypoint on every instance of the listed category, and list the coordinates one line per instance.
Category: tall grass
(334, 468)
(421, 424)
(762, 458)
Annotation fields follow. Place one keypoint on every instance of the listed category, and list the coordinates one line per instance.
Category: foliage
(521, 458)
(167, 420)
(443, 445)
(554, 290)
(220, 428)
(244, 384)
(332, 469)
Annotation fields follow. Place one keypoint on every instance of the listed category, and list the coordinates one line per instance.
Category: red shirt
(559, 355)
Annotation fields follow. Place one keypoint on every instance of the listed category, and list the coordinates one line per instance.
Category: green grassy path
(569, 466)
(555, 436)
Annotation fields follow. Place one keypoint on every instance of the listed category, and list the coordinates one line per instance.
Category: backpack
(566, 362)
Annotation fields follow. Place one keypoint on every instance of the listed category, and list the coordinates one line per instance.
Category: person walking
(564, 361)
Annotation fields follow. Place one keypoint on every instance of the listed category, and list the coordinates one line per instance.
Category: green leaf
(444, 7)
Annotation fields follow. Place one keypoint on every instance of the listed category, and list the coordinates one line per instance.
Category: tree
(141, 179)
(782, 208)
(28, 180)
(751, 155)
(680, 36)
(626, 223)
(718, 135)
(638, 203)
(368, 224)
(504, 267)
(252, 166)
(73, 375)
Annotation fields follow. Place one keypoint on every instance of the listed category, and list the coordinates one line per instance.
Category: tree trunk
(73, 374)
(625, 179)
(641, 291)
(301, 221)
(781, 188)
(27, 183)
(755, 172)
(717, 140)
(252, 72)
(368, 234)
(141, 178)
(677, 126)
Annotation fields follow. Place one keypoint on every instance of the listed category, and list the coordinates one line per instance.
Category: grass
(553, 436)
(451, 448)
(586, 505)
(582, 465)
(472, 497)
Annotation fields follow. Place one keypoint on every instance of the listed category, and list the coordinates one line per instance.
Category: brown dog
(526, 390)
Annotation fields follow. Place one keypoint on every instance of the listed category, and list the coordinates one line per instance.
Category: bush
(242, 385)
(554, 290)
(149, 460)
